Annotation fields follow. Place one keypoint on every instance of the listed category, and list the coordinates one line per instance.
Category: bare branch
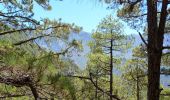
(165, 94)
(24, 80)
(136, 16)
(63, 52)
(31, 39)
(81, 77)
(12, 95)
(114, 96)
(18, 30)
(129, 2)
(31, 29)
(164, 73)
(166, 47)
(163, 17)
(91, 79)
(160, 1)
(22, 17)
(143, 39)
(133, 16)
(11, 12)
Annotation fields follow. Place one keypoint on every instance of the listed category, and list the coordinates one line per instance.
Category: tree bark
(34, 91)
(96, 90)
(154, 54)
(137, 89)
(111, 69)
(137, 84)
(154, 48)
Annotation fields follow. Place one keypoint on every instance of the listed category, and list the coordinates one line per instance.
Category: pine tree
(108, 41)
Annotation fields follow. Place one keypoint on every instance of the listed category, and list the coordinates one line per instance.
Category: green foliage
(139, 51)
(42, 63)
(165, 94)
(42, 67)
(165, 60)
(27, 4)
(135, 71)
(109, 30)
(32, 52)
(127, 11)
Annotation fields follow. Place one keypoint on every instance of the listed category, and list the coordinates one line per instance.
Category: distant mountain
(81, 58)
(86, 37)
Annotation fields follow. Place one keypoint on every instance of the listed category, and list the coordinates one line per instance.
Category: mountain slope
(81, 59)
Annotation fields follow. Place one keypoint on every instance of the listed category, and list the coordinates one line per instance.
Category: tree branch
(163, 16)
(31, 39)
(20, 81)
(166, 47)
(12, 95)
(165, 94)
(91, 79)
(132, 4)
(22, 17)
(31, 29)
(18, 30)
(143, 39)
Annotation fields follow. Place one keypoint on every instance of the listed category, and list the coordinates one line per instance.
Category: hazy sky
(84, 13)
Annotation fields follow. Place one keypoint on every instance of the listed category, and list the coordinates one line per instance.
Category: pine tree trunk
(96, 91)
(155, 43)
(111, 69)
(154, 75)
(137, 90)
(137, 84)
(154, 55)
(34, 91)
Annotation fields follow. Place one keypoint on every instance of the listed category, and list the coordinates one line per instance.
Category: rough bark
(137, 85)
(96, 91)
(111, 69)
(34, 91)
(154, 48)
(20, 82)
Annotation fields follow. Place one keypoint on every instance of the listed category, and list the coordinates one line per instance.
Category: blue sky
(84, 13)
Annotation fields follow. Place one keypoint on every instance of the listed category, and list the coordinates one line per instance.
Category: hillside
(81, 58)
